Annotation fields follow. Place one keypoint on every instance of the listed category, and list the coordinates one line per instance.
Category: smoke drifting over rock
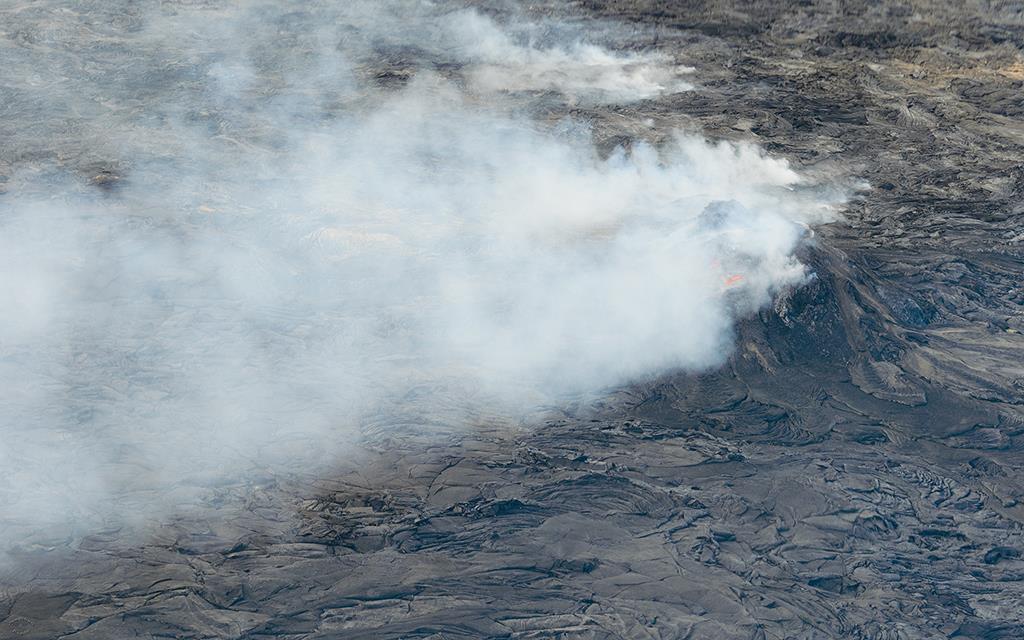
(223, 233)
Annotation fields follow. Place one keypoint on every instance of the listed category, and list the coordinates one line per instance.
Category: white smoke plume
(290, 241)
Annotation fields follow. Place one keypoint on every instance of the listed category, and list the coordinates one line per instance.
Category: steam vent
(451, 319)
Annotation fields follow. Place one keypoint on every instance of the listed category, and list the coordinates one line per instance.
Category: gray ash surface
(854, 471)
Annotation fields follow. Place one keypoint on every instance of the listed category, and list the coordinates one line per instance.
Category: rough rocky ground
(855, 471)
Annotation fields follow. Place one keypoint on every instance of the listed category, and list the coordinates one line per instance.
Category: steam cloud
(254, 227)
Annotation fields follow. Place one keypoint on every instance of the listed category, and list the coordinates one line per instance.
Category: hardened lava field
(827, 443)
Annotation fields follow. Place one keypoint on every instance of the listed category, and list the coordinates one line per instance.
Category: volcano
(834, 450)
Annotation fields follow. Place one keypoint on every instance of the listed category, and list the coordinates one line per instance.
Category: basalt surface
(854, 471)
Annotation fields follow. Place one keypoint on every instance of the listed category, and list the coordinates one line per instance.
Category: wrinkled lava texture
(854, 471)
